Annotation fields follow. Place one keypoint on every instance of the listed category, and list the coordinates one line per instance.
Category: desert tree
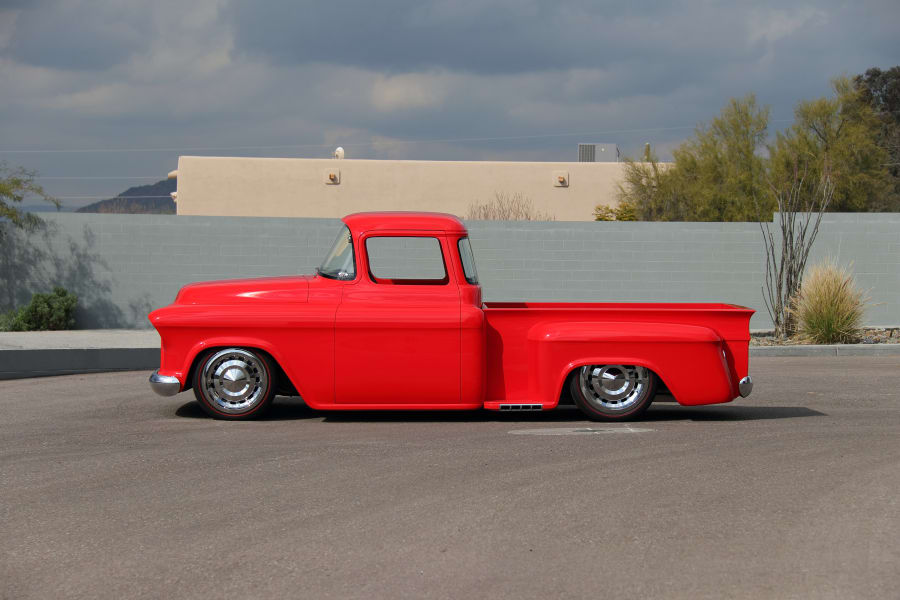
(17, 184)
(836, 137)
(648, 192)
(719, 174)
(788, 239)
(880, 90)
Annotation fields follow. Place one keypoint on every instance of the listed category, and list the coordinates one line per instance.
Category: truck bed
(666, 333)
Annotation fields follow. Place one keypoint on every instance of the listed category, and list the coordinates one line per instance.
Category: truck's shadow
(727, 413)
(292, 409)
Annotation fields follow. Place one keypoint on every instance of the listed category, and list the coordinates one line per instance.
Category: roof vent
(598, 153)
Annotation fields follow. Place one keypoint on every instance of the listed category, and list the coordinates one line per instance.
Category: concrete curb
(46, 362)
(21, 364)
(828, 350)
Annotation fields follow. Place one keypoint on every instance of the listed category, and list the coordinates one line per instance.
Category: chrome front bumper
(164, 385)
(745, 386)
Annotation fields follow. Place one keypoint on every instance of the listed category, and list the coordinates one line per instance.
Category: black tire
(235, 383)
(638, 387)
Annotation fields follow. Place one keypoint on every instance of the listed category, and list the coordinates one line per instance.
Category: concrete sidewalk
(827, 350)
(43, 353)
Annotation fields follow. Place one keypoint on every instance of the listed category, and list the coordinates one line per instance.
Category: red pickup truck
(394, 319)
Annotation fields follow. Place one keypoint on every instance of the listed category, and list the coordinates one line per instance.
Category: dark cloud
(69, 34)
(235, 73)
(485, 36)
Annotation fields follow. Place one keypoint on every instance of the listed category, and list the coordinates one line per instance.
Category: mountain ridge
(153, 199)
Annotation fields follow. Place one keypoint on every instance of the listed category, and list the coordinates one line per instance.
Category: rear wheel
(234, 383)
(613, 392)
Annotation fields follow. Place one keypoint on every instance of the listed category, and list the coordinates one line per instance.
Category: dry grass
(829, 308)
(507, 207)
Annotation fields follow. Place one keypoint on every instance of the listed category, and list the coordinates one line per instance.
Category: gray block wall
(122, 266)
(676, 262)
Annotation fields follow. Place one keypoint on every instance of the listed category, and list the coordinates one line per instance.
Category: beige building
(299, 187)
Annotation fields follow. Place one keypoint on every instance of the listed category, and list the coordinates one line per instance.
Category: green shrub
(624, 211)
(829, 307)
(44, 312)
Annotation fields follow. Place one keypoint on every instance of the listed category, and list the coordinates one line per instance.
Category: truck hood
(240, 291)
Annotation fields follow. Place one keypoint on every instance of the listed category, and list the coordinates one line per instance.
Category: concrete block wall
(676, 262)
(122, 266)
(619, 262)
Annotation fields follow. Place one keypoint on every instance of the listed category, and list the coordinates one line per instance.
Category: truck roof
(428, 221)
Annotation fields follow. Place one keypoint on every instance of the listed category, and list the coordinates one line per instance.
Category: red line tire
(234, 383)
(613, 392)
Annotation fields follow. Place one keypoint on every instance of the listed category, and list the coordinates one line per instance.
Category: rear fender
(690, 359)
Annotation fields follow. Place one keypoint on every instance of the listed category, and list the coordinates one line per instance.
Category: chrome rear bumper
(164, 385)
(745, 386)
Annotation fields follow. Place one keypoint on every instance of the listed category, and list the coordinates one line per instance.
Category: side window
(406, 260)
(468, 260)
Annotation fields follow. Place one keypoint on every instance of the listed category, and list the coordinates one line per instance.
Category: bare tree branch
(800, 211)
(507, 207)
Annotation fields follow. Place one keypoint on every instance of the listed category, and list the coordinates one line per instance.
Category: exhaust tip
(745, 386)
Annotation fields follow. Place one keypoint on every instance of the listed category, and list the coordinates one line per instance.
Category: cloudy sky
(117, 89)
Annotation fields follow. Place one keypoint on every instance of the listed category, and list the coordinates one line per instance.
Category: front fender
(690, 359)
(177, 359)
(299, 337)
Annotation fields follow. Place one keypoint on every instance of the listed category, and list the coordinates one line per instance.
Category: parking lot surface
(109, 491)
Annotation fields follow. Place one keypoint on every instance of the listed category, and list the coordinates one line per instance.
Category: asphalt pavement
(108, 491)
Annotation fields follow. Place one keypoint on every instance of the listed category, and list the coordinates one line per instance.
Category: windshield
(468, 260)
(340, 264)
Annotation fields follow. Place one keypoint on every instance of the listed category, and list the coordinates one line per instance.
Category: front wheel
(613, 392)
(234, 383)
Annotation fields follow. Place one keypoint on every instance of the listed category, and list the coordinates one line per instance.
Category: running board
(521, 407)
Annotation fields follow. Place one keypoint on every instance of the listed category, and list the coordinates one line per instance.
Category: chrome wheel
(234, 381)
(614, 388)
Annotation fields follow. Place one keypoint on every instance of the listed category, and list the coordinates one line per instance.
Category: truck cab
(409, 329)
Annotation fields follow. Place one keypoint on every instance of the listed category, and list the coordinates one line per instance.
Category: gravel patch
(870, 335)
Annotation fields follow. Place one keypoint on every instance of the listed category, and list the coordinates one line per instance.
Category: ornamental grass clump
(829, 307)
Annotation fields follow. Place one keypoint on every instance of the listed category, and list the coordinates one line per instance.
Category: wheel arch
(569, 371)
(285, 385)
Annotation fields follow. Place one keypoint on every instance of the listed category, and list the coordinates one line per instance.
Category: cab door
(397, 331)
